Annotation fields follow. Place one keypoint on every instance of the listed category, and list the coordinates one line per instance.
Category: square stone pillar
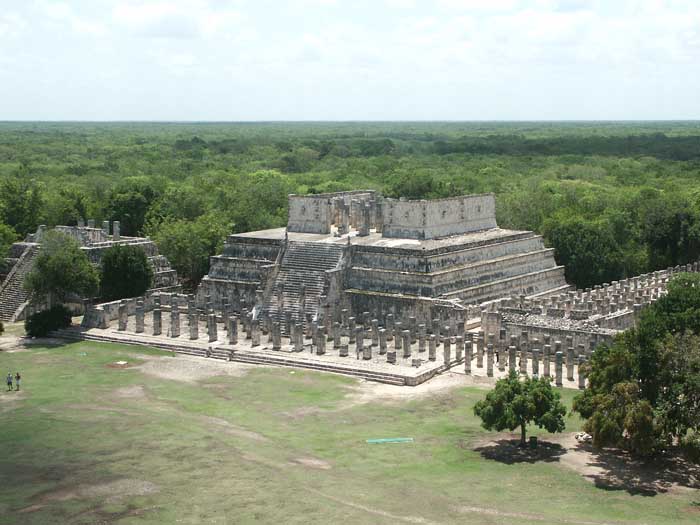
(276, 336)
(232, 330)
(559, 359)
(157, 320)
(406, 342)
(382, 341)
(489, 359)
(581, 375)
(546, 360)
(480, 350)
(570, 363)
(193, 323)
(535, 362)
(255, 332)
(123, 316)
(140, 316)
(511, 358)
(174, 318)
(212, 329)
(432, 344)
(447, 351)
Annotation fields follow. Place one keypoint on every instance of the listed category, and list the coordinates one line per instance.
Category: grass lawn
(85, 442)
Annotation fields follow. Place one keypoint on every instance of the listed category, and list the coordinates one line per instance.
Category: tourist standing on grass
(18, 378)
(9, 381)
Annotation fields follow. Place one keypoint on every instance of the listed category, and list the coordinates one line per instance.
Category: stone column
(546, 360)
(359, 337)
(413, 327)
(277, 336)
(480, 350)
(174, 318)
(254, 332)
(367, 353)
(421, 338)
(116, 232)
(459, 347)
(140, 316)
(232, 330)
(468, 358)
(406, 336)
(105, 227)
(336, 335)
(559, 358)
(511, 358)
(343, 350)
(398, 340)
(432, 347)
(382, 341)
(489, 359)
(447, 351)
(389, 327)
(375, 332)
(193, 322)
(212, 328)
(468, 348)
(157, 320)
(123, 316)
(436, 328)
(581, 375)
(391, 357)
(319, 341)
(570, 363)
(351, 330)
(298, 337)
(535, 362)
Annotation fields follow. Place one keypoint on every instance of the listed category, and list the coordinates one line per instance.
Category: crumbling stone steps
(12, 292)
(268, 360)
(242, 357)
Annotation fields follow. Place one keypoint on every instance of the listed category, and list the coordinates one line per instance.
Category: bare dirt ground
(611, 469)
(112, 491)
(189, 369)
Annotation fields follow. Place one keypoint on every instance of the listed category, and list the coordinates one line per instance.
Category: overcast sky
(349, 59)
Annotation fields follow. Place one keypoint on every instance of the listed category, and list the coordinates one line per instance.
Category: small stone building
(93, 241)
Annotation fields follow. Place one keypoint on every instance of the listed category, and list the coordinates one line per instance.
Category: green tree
(643, 391)
(61, 269)
(587, 249)
(7, 237)
(189, 244)
(125, 272)
(21, 202)
(517, 403)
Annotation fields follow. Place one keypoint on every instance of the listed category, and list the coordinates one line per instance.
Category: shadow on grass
(510, 452)
(617, 470)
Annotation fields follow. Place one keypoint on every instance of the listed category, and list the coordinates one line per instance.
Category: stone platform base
(375, 369)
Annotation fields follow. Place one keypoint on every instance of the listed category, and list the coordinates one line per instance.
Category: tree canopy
(61, 269)
(125, 272)
(516, 402)
(643, 390)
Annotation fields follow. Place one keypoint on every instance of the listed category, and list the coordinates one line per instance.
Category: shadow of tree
(617, 470)
(510, 452)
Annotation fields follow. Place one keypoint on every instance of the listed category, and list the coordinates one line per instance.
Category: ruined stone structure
(388, 290)
(93, 241)
(358, 251)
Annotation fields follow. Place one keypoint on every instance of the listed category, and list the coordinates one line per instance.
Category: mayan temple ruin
(389, 290)
(14, 299)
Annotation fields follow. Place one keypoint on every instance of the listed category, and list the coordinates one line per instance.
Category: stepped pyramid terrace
(388, 290)
(14, 299)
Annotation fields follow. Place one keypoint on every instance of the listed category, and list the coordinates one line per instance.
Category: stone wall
(438, 218)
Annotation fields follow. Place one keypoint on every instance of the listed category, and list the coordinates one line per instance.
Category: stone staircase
(12, 292)
(304, 265)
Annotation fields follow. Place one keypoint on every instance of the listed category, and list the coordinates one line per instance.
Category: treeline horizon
(613, 198)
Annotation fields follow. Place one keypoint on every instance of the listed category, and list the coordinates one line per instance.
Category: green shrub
(41, 323)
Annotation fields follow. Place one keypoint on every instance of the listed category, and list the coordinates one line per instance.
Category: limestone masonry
(388, 290)
(93, 241)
